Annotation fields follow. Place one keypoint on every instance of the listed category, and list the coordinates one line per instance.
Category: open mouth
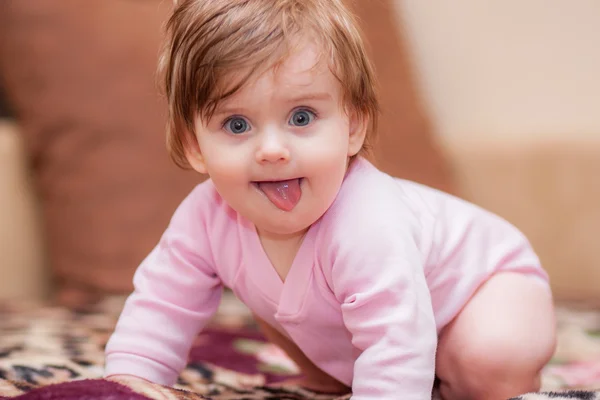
(284, 194)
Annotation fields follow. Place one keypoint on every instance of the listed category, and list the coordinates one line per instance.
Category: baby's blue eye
(302, 118)
(236, 125)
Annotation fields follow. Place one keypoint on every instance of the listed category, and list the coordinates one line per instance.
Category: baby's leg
(496, 347)
(313, 377)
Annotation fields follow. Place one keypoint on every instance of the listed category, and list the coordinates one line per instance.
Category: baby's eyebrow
(219, 111)
(310, 96)
(231, 110)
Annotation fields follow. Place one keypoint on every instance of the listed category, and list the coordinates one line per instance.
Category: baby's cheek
(227, 163)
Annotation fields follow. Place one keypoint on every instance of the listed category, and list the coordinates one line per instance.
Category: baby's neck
(282, 238)
(281, 250)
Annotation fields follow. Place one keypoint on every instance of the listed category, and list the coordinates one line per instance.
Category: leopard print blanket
(53, 353)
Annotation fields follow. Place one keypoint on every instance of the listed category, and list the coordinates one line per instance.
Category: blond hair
(208, 40)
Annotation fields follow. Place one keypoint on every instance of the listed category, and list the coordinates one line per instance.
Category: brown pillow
(80, 75)
(406, 147)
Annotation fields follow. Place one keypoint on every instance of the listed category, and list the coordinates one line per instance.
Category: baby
(370, 283)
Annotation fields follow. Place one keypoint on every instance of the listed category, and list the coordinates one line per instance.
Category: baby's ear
(358, 131)
(194, 155)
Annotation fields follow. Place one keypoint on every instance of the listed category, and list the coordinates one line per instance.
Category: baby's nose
(272, 149)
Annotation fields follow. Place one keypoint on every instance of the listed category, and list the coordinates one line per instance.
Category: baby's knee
(499, 368)
(502, 373)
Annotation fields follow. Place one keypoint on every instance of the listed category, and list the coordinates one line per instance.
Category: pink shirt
(375, 279)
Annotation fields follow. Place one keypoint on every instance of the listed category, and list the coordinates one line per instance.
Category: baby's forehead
(298, 78)
(304, 62)
(303, 65)
(299, 70)
(301, 73)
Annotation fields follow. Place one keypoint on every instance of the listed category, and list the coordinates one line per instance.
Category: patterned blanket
(53, 353)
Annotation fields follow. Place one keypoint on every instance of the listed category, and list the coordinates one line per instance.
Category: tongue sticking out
(283, 194)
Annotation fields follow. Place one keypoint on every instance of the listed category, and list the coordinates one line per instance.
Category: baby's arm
(386, 306)
(176, 292)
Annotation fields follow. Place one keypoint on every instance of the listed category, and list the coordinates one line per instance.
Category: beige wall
(513, 91)
(507, 68)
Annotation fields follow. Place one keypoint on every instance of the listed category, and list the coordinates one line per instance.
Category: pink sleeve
(176, 292)
(386, 306)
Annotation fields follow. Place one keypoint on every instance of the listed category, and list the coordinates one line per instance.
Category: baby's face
(277, 150)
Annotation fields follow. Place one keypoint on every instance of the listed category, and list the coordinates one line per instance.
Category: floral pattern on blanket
(58, 353)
